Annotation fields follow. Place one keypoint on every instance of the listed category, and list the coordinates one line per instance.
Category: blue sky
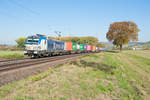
(20, 18)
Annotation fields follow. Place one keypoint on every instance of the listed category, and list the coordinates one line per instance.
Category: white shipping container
(78, 46)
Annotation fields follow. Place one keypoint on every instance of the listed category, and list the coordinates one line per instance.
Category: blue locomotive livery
(40, 46)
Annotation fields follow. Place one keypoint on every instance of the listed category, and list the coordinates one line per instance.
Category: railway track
(30, 62)
(10, 60)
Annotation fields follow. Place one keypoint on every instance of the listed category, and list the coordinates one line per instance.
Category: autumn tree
(121, 33)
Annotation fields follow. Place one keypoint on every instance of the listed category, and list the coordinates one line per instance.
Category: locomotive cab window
(32, 40)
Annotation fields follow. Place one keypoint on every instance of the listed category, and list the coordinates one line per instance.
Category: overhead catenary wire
(23, 7)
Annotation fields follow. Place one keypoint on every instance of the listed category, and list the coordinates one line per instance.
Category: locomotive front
(33, 46)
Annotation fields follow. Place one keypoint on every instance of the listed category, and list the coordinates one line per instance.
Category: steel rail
(6, 67)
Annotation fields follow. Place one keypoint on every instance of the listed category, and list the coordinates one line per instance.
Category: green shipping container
(74, 46)
(81, 47)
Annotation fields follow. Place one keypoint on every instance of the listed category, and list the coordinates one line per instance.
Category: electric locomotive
(40, 46)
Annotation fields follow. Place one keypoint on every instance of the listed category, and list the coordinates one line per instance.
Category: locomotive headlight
(35, 52)
(25, 52)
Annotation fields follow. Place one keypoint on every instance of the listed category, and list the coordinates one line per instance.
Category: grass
(104, 76)
(11, 54)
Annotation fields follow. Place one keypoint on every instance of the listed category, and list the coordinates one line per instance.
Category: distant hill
(108, 44)
(139, 44)
(131, 44)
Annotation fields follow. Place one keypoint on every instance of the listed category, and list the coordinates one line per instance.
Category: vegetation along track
(27, 63)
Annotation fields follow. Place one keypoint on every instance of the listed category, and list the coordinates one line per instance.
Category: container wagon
(74, 47)
(89, 49)
(78, 48)
(55, 47)
(93, 48)
(68, 47)
(97, 49)
(84, 48)
(81, 48)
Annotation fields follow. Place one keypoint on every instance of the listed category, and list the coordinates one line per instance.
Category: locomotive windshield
(32, 39)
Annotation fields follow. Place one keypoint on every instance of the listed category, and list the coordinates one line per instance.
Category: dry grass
(103, 76)
(142, 53)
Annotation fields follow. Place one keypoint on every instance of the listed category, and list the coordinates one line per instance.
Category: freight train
(40, 46)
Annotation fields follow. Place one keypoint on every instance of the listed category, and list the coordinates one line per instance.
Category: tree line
(90, 40)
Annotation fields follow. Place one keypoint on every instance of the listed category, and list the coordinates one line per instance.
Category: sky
(21, 18)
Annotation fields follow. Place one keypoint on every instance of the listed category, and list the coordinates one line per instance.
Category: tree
(121, 33)
(21, 42)
(102, 45)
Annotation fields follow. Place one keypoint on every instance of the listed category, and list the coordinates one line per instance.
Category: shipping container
(104, 49)
(84, 47)
(68, 46)
(100, 48)
(50, 45)
(78, 46)
(81, 47)
(53, 45)
(93, 48)
(59, 45)
(97, 49)
(89, 48)
(74, 46)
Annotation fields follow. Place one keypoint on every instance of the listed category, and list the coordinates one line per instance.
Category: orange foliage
(122, 33)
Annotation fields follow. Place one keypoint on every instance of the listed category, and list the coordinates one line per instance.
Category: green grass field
(103, 76)
(11, 54)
